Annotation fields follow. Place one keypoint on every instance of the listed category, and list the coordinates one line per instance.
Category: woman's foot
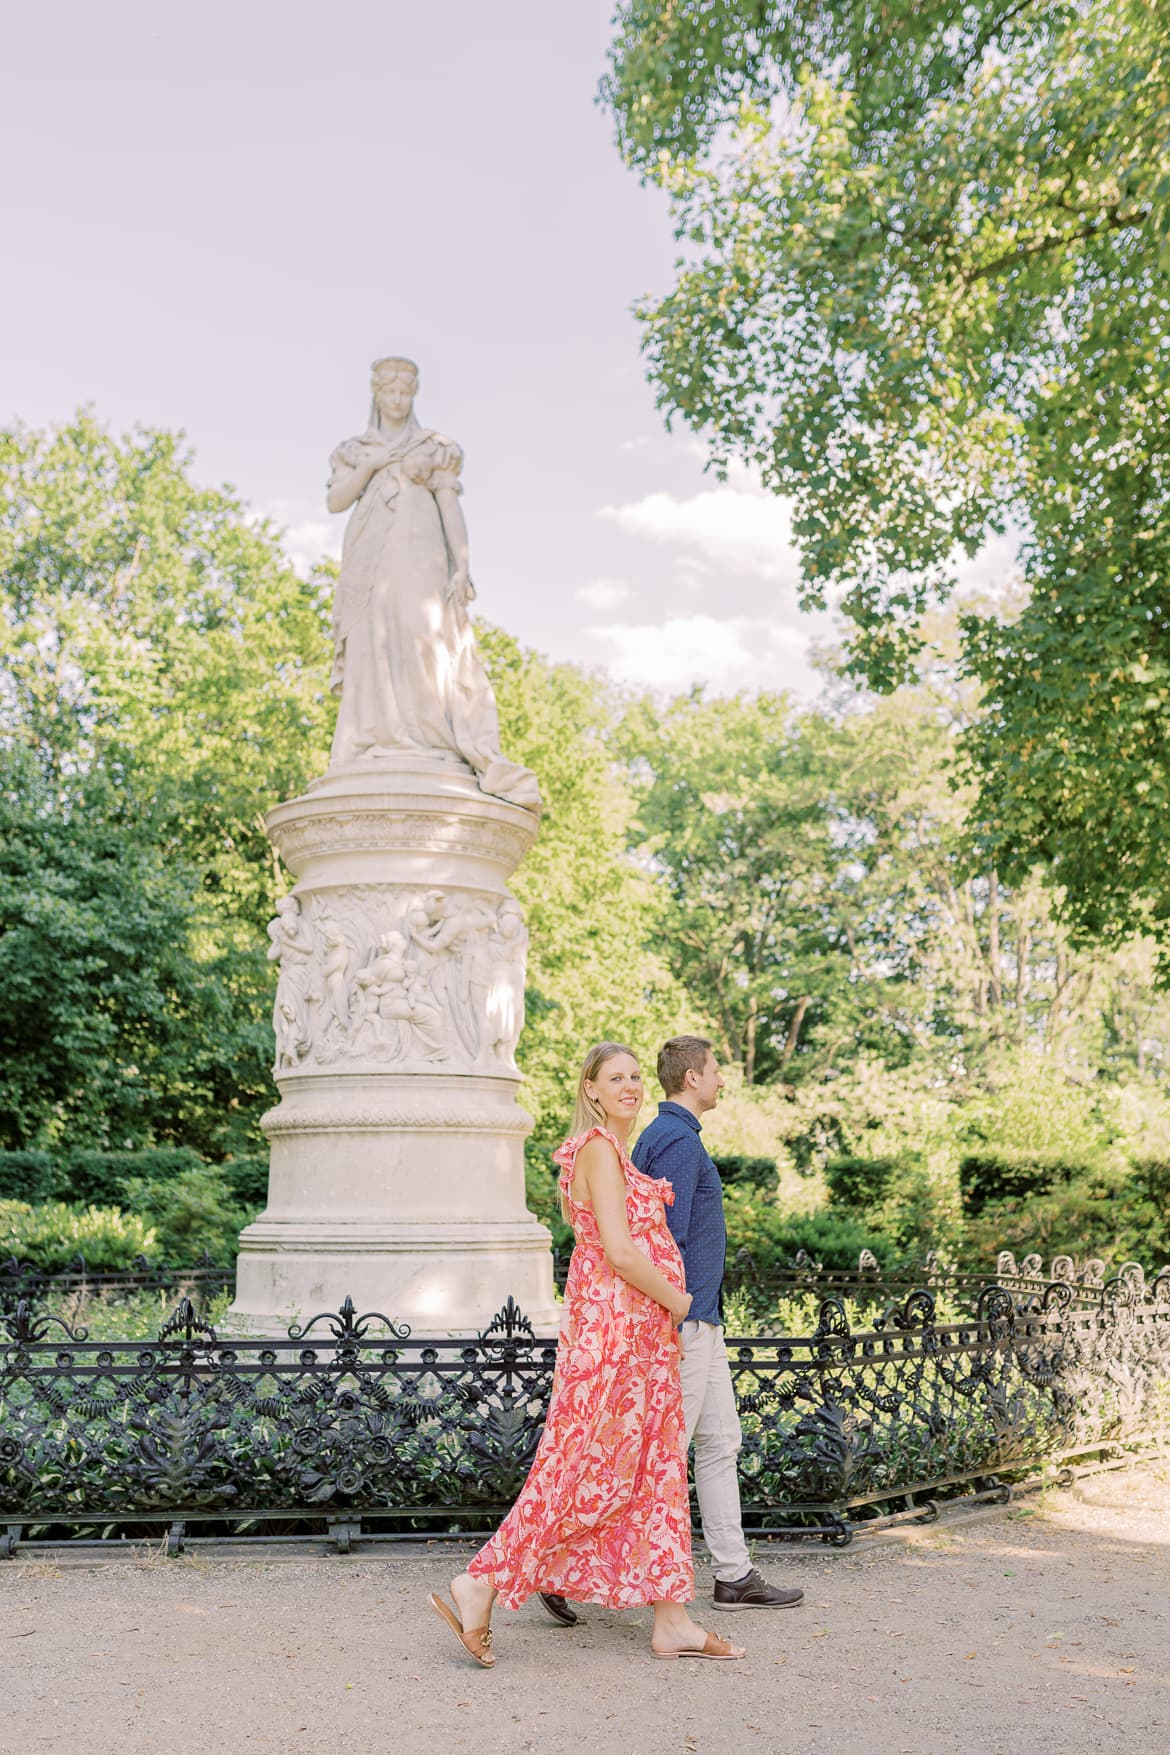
(470, 1621)
(474, 1599)
(681, 1637)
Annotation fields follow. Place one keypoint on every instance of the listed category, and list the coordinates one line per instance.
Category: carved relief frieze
(399, 978)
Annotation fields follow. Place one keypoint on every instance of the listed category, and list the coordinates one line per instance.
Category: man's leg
(713, 1426)
(713, 1422)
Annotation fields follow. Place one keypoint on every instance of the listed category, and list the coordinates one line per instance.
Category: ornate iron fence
(354, 1425)
(870, 1283)
(24, 1280)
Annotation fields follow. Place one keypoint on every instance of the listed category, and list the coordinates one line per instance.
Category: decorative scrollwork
(25, 1325)
(855, 1418)
(508, 1323)
(346, 1327)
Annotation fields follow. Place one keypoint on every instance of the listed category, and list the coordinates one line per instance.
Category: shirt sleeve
(680, 1161)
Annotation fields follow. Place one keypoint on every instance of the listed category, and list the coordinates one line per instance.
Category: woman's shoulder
(441, 454)
(597, 1145)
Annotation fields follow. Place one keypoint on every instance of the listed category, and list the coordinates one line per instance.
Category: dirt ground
(1042, 1627)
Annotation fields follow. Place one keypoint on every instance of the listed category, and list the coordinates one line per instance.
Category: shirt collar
(684, 1114)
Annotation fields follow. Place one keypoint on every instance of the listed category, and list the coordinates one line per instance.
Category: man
(671, 1147)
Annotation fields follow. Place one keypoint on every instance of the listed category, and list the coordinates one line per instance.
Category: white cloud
(304, 537)
(736, 526)
(728, 656)
(604, 593)
(638, 444)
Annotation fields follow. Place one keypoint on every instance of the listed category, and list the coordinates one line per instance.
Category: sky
(217, 216)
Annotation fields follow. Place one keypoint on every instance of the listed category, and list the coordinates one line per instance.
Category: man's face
(708, 1083)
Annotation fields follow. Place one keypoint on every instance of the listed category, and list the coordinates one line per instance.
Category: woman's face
(394, 397)
(617, 1087)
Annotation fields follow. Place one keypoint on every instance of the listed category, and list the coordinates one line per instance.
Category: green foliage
(190, 1213)
(785, 847)
(89, 1177)
(924, 294)
(1105, 1213)
(772, 1237)
(745, 1170)
(53, 1234)
(27, 1176)
(162, 675)
(1006, 1175)
(246, 1177)
(859, 1182)
(593, 971)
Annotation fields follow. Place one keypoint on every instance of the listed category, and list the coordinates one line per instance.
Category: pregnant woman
(604, 1515)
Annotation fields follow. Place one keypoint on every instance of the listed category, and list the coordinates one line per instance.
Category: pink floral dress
(604, 1515)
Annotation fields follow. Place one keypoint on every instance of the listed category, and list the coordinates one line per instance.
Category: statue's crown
(393, 366)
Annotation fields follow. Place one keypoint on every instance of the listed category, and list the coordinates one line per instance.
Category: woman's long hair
(589, 1112)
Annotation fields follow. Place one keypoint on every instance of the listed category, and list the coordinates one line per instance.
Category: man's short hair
(682, 1054)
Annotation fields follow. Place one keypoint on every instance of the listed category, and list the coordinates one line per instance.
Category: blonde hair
(589, 1112)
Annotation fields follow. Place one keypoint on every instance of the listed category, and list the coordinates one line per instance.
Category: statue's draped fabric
(406, 663)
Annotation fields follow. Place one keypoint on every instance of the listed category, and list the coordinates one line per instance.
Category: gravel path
(1042, 1628)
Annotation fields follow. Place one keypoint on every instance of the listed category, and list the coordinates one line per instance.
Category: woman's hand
(680, 1307)
(459, 587)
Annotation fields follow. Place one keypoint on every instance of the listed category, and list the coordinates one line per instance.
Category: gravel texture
(1042, 1627)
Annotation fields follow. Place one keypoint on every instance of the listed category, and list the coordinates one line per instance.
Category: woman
(604, 1515)
(405, 660)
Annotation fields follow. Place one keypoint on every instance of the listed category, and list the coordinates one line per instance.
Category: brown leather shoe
(558, 1608)
(754, 1592)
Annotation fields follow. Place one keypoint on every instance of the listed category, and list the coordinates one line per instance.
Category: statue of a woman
(405, 659)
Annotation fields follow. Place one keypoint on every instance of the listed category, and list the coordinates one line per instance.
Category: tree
(162, 679)
(152, 631)
(925, 295)
(595, 966)
(113, 1032)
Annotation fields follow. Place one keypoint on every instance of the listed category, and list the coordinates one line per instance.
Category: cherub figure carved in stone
(405, 659)
(292, 948)
(335, 972)
(505, 1005)
(396, 1017)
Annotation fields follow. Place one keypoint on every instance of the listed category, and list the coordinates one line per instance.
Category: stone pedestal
(397, 1167)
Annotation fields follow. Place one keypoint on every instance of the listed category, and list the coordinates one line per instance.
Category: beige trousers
(713, 1428)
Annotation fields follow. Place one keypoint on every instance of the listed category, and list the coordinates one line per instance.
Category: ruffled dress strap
(566, 1155)
(637, 1180)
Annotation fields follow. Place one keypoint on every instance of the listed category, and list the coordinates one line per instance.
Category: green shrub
(85, 1175)
(52, 1235)
(26, 1176)
(743, 1169)
(191, 1213)
(772, 1237)
(859, 1182)
(991, 1176)
(247, 1178)
(1151, 1178)
(1106, 1212)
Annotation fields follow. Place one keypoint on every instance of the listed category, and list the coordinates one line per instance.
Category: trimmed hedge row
(85, 1177)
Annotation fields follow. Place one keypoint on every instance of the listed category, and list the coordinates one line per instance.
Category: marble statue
(406, 663)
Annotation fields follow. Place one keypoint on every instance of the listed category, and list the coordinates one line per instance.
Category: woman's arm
(605, 1189)
(455, 531)
(348, 481)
